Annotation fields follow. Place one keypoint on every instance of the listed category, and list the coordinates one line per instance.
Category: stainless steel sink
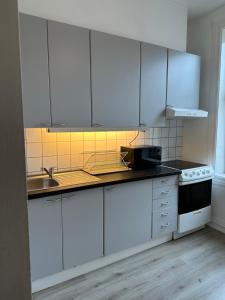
(34, 184)
(73, 178)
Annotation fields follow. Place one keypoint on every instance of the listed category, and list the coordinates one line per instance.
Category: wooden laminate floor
(191, 268)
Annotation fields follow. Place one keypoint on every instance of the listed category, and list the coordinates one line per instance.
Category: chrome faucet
(50, 172)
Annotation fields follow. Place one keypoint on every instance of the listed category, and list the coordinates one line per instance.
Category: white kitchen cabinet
(75, 228)
(153, 85)
(82, 215)
(183, 80)
(34, 71)
(165, 206)
(45, 232)
(115, 68)
(69, 67)
(127, 215)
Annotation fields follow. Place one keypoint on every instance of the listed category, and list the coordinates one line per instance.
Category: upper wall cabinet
(183, 80)
(153, 85)
(69, 62)
(115, 80)
(34, 71)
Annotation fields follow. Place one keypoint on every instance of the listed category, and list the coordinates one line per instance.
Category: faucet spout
(50, 172)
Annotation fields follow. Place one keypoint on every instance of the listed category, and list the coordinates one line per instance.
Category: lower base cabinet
(82, 219)
(127, 215)
(45, 232)
(75, 228)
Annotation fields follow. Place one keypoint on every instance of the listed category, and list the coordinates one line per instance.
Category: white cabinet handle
(165, 192)
(69, 196)
(97, 125)
(165, 225)
(110, 188)
(53, 200)
(164, 214)
(164, 180)
(58, 124)
(164, 203)
(44, 125)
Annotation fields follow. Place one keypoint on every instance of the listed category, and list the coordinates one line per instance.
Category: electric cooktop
(182, 164)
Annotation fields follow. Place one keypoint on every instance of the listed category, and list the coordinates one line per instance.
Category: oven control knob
(198, 174)
(207, 171)
(203, 172)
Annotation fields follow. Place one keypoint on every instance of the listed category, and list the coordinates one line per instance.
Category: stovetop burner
(182, 164)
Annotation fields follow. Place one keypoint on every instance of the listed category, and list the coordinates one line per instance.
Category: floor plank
(191, 268)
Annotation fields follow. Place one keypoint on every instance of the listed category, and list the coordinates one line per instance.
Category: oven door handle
(197, 212)
(195, 181)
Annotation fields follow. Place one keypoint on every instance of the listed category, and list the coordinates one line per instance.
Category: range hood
(184, 113)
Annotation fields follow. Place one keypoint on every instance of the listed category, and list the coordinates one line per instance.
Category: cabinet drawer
(164, 222)
(164, 181)
(165, 192)
(159, 204)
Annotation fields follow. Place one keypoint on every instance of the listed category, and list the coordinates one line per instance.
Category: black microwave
(142, 157)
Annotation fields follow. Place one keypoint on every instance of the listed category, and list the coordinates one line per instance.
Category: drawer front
(164, 181)
(165, 192)
(159, 204)
(164, 222)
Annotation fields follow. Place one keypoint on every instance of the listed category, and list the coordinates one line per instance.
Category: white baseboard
(63, 276)
(217, 226)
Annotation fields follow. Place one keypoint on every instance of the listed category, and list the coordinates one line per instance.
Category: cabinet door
(69, 61)
(82, 227)
(115, 80)
(153, 85)
(34, 71)
(128, 210)
(183, 80)
(45, 232)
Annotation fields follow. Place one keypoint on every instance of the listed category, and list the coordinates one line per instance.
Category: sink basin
(41, 183)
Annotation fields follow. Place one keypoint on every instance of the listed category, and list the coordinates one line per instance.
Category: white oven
(194, 198)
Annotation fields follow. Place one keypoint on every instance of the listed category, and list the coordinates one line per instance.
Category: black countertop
(108, 179)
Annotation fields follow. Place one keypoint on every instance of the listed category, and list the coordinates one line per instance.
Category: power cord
(134, 139)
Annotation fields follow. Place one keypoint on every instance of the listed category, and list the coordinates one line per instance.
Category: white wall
(220, 143)
(162, 22)
(14, 244)
(204, 38)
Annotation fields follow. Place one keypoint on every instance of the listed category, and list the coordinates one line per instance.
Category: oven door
(193, 197)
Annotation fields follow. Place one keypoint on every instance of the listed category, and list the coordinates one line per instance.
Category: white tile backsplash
(68, 150)
(172, 132)
(34, 165)
(63, 148)
(49, 149)
(165, 132)
(172, 142)
(34, 149)
(179, 132)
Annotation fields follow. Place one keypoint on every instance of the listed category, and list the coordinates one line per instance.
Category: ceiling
(201, 7)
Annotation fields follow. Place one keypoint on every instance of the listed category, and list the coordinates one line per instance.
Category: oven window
(194, 196)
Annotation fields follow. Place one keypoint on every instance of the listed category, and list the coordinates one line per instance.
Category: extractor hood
(184, 113)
